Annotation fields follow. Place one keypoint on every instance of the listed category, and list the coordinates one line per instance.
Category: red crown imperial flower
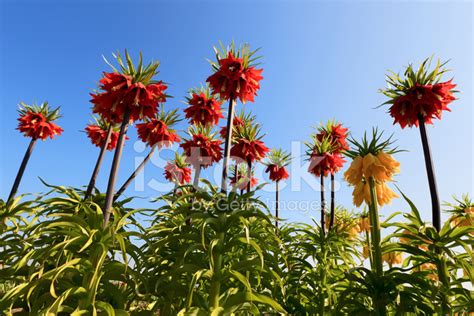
(337, 135)
(240, 179)
(277, 173)
(177, 171)
(97, 133)
(130, 89)
(202, 149)
(37, 121)
(247, 145)
(158, 130)
(235, 76)
(419, 94)
(203, 108)
(323, 157)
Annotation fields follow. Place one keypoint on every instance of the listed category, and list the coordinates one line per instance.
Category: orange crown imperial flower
(178, 170)
(202, 149)
(159, 130)
(419, 93)
(235, 75)
(323, 156)
(36, 121)
(463, 212)
(130, 88)
(204, 108)
(248, 146)
(97, 132)
(276, 163)
(240, 179)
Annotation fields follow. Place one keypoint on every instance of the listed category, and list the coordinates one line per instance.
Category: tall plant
(277, 161)
(372, 167)
(35, 122)
(235, 77)
(103, 135)
(417, 98)
(128, 94)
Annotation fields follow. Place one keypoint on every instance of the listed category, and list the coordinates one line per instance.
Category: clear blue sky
(322, 60)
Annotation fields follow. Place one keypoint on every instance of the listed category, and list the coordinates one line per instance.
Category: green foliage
(206, 256)
(207, 253)
(314, 265)
(66, 262)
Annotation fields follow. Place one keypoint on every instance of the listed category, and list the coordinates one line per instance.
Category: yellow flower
(353, 175)
(389, 163)
(364, 224)
(384, 194)
(430, 267)
(407, 241)
(463, 221)
(353, 231)
(392, 258)
(372, 167)
(361, 193)
(365, 251)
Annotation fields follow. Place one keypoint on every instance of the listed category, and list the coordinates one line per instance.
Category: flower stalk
(109, 197)
(375, 229)
(277, 204)
(98, 163)
(197, 175)
(377, 266)
(135, 173)
(323, 206)
(19, 175)
(435, 206)
(333, 206)
(228, 138)
(215, 290)
(249, 175)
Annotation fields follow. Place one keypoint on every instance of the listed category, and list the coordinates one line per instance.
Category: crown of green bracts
(202, 89)
(398, 85)
(199, 129)
(278, 157)
(180, 160)
(319, 146)
(170, 118)
(373, 146)
(249, 130)
(243, 51)
(139, 73)
(99, 121)
(43, 109)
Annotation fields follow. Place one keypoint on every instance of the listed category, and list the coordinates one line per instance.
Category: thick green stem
(276, 205)
(377, 266)
(215, 290)
(375, 230)
(445, 281)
